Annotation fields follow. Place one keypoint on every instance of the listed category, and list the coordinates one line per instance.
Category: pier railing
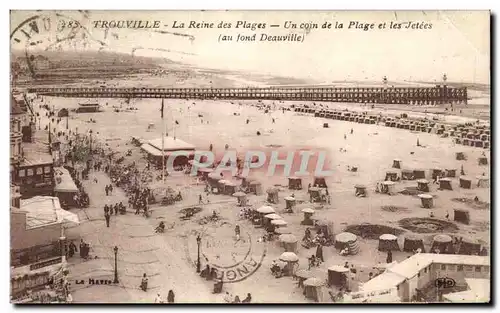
(399, 95)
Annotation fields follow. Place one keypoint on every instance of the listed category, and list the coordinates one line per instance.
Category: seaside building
(416, 277)
(185, 151)
(37, 244)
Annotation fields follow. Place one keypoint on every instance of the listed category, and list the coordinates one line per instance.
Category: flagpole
(162, 144)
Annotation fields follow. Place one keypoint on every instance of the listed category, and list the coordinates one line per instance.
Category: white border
(208, 5)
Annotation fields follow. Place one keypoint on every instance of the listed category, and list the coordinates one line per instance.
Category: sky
(458, 43)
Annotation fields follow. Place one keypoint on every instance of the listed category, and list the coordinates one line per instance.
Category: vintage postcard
(250, 157)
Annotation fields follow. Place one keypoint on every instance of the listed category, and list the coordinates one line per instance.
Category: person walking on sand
(389, 257)
(107, 217)
(171, 296)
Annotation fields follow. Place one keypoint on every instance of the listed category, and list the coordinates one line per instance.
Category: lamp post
(198, 241)
(116, 265)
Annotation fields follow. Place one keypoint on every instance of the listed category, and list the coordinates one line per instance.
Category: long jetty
(439, 94)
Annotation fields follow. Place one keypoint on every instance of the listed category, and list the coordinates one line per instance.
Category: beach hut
(229, 187)
(360, 190)
(347, 240)
(308, 213)
(465, 182)
(437, 172)
(388, 242)
(290, 204)
(313, 289)
(388, 187)
(242, 198)
(320, 182)
(407, 174)
(483, 161)
(445, 184)
(427, 200)
(418, 174)
(289, 242)
(423, 185)
(272, 195)
(483, 182)
(325, 125)
(461, 216)
(450, 172)
(295, 183)
(213, 182)
(337, 276)
(396, 163)
(442, 244)
(302, 275)
(412, 243)
(291, 260)
(391, 176)
(469, 246)
(255, 187)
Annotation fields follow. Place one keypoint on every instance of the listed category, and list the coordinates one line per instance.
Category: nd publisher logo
(444, 282)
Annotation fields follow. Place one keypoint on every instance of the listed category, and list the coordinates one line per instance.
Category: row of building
(37, 220)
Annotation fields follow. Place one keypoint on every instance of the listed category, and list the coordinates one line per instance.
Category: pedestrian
(82, 244)
(72, 249)
(144, 282)
(200, 199)
(237, 232)
(389, 257)
(110, 189)
(106, 209)
(248, 299)
(116, 209)
(107, 190)
(319, 253)
(171, 296)
(237, 299)
(107, 217)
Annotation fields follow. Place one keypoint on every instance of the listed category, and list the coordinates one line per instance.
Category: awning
(64, 181)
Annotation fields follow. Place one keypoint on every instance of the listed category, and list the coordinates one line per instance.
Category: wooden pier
(439, 94)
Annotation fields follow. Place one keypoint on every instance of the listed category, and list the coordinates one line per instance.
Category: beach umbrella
(289, 257)
(273, 216)
(345, 237)
(307, 210)
(289, 198)
(314, 282)
(239, 194)
(388, 237)
(288, 238)
(265, 209)
(279, 222)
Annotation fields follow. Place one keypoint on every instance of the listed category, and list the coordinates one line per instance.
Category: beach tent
(348, 240)
(442, 243)
(465, 182)
(289, 242)
(388, 242)
(313, 289)
(469, 246)
(337, 276)
(412, 243)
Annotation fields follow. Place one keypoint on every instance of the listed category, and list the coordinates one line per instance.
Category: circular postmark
(36, 40)
(233, 258)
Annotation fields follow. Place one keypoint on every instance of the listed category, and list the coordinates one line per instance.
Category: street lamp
(198, 241)
(116, 266)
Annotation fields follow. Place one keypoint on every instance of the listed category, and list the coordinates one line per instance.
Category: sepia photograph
(250, 157)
